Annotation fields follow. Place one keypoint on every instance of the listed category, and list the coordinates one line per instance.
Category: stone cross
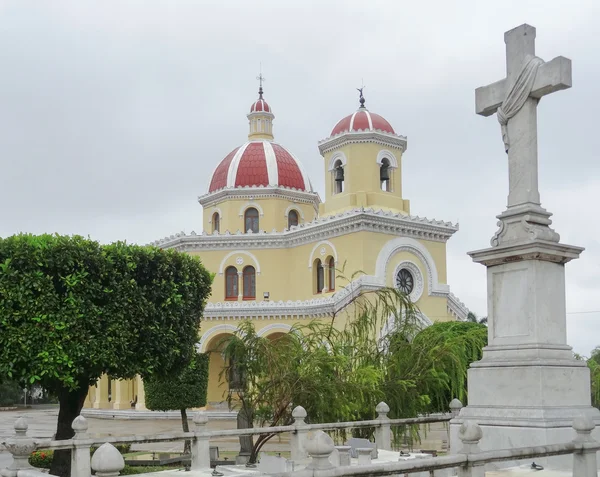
(522, 127)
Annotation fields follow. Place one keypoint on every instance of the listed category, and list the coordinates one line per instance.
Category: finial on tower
(260, 79)
(361, 98)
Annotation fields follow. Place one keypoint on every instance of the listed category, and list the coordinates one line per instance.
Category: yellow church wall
(272, 214)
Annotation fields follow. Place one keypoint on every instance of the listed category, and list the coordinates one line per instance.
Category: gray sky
(113, 114)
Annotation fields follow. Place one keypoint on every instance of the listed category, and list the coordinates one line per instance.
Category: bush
(10, 393)
(42, 459)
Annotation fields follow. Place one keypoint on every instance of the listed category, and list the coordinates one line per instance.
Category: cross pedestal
(528, 388)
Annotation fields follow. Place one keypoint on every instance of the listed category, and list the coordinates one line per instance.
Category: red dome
(260, 106)
(260, 163)
(362, 120)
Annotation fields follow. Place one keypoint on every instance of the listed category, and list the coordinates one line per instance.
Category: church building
(277, 249)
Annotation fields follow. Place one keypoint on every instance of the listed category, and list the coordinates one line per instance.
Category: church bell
(339, 174)
(384, 173)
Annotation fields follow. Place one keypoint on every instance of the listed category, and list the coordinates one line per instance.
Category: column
(122, 399)
(101, 401)
(141, 395)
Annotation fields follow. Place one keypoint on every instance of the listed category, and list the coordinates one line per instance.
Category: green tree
(179, 391)
(72, 310)
(10, 393)
(339, 373)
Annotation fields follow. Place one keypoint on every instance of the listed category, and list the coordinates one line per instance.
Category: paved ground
(42, 424)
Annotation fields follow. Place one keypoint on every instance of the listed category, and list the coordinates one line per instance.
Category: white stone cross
(522, 127)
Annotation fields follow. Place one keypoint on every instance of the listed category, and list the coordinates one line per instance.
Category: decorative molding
(418, 285)
(337, 156)
(317, 245)
(406, 244)
(376, 136)
(275, 327)
(212, 214)
(259, 192)
(385, 153)
(215, 330)
(300, 309)
(249, 205)
(344, 223)
(290, 310)
(239, 252)
(457, 308)
(297, 209)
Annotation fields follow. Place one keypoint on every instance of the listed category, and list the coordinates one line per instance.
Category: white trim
(271, 160)
(376, 136)
(385, 153)
(212, 213)
(337, 156)
(344, 223)
(402, 244)
(255, 205)
(390, 323)
(296, 208)
(215, 330)
(370, 120)
(457, 308)
(254, 192)
(235, 164)
(239, 252)
(418, 285)
(351, 127)
(317, 245)
(276, 327)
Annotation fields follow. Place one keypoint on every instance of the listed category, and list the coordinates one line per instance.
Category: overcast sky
(113, 114)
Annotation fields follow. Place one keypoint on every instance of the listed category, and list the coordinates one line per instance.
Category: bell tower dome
(260, 117)
(363, 164)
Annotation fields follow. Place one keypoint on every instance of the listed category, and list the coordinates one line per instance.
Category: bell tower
(363, 164)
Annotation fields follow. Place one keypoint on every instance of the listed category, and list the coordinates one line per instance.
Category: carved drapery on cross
(517, 96)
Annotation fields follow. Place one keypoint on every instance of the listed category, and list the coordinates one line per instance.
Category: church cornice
(377, 137)
(356, 220)
(259, 192)
(314, 308)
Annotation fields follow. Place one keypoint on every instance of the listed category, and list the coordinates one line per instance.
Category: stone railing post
(298, 437)
(470, 434)
(364, 455)
(584, 462)
(107, 461)
(383, 433)
(200, 444)
(80, 455)
(344, 455)
(20, 446)
(455, 407)
(319, 447)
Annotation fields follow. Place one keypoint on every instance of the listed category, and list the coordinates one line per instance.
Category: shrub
(41, 459)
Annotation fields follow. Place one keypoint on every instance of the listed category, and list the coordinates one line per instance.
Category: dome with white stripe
(260, 163)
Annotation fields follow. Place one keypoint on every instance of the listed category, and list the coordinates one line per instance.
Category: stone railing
(469, 461)
(108, 462)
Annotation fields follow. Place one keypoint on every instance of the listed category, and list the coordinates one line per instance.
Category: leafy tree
(472, 317)
(72, 310)
(340, 373)
(180, 391)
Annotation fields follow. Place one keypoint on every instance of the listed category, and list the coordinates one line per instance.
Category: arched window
(338, 177)
(384, 175)
(292, 218)
(320, 276)
(251, 220)
(216, 222)
(231, 283)
(249, 276)
(331, 264)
